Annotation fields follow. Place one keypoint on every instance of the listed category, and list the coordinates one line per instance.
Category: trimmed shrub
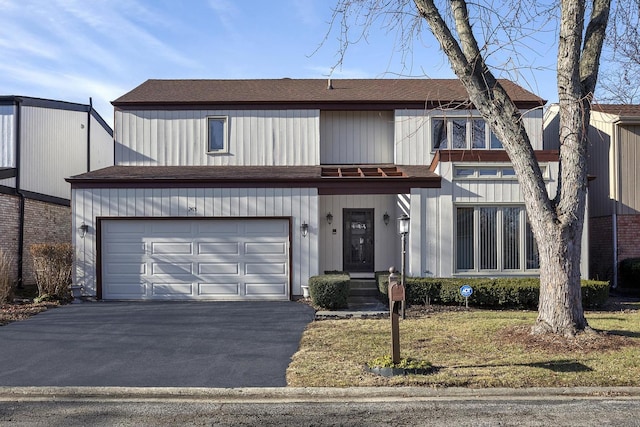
(630, 272)
(594, 293)
(504, 292)
(329, 291)
(6, 280)
(52, 264)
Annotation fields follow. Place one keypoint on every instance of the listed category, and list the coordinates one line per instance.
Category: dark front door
(358, 240)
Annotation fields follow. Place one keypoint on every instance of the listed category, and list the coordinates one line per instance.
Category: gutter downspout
(89, 134)
(21, 214)
(616, 194)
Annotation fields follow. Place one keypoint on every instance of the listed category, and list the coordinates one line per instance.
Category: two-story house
(42, 142)
(243, 189)
(614, 195)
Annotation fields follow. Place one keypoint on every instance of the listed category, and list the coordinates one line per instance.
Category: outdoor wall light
(386, 218)
(329, 218)
(304, 229)
(84, 228)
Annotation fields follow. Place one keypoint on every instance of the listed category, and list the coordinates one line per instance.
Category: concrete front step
(360, 287)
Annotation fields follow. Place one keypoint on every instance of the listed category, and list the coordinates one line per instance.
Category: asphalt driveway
(154, 344)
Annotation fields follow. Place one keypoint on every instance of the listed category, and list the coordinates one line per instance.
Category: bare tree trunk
(560, 306)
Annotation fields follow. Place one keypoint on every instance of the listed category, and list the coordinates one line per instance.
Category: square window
(217, 139)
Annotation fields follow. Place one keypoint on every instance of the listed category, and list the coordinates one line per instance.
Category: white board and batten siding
(179, 138)
(356, 137)
(298, 204)
(195, 259)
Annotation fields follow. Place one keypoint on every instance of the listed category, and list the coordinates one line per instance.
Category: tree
(620, 80)
(556, 221)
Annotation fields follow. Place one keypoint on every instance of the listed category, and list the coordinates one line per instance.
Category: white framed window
(462, 133)
(494, 239)
(465, 172)
(217, 135)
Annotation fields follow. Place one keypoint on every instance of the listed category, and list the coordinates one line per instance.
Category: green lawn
(476, 348)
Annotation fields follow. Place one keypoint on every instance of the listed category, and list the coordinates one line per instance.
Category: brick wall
(601, 243)
(601, 248)
(9, 227)
(44, 223)
(628, 236)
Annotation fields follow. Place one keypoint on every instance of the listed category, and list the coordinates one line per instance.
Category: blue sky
(72, 50)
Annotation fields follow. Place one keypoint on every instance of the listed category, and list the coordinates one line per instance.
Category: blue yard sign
(466, 292)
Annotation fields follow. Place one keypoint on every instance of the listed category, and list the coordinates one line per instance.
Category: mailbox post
(396, 297)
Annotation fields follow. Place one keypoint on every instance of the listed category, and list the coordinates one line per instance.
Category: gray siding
(356, 137)
(601, 153)
(53, 147)
(629, 172)
(101, 146)
(179, 138)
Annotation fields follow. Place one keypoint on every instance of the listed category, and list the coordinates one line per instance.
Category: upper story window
(217, 141)
(462, 134)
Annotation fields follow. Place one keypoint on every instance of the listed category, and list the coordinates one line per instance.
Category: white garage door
(206, 259)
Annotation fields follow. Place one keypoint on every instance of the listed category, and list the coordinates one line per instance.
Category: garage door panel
(265, 268)
(128, 290)
(170, 228)
(215, 248)
(172, 289)
(171, 248)
(219, 268)
(265, 228)
(173, 269)
(231, 228)
(125, 228)
(195, 259)
(219, 289)
(261, 289)
(279, 248)
(120, 248)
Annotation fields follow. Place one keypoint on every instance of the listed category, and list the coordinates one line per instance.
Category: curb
(312, 394)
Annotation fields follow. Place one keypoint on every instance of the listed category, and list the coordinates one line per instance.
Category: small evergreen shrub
(594, 293)
(52, 263)
(630, 273)
(329, 291)
(6, 279)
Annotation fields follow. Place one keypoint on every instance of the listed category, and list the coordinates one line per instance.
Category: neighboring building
(42, 142)
(243, 189)
(614, 193)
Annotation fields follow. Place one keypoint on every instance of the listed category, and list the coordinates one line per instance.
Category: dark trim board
(36, 196)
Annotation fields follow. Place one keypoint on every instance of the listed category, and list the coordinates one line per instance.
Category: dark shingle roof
(618, 109)
(308, 91)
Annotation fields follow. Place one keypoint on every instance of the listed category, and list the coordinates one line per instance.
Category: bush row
(507, 292)
(329, 291)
